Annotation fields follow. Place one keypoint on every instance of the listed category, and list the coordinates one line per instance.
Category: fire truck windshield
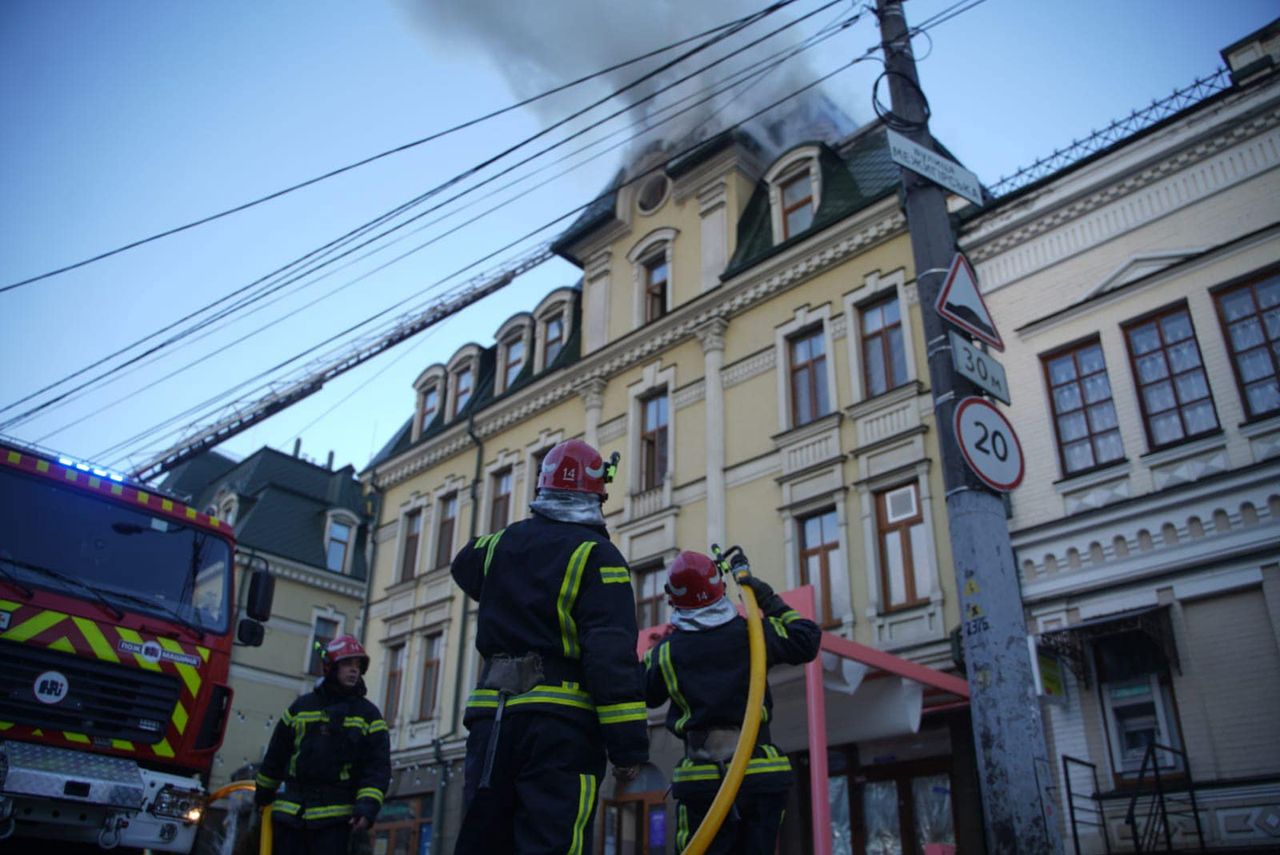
(58, 538)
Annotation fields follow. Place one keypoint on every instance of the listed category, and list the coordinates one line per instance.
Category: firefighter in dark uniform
(331, 751)
(561, 687)
(703, 668)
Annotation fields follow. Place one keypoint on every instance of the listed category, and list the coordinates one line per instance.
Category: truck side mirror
(250, 633)
(262, 590)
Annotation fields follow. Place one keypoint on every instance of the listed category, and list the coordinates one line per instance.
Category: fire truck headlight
(177, 803)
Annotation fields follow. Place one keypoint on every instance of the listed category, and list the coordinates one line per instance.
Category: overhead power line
(244, 206)
(387, 216)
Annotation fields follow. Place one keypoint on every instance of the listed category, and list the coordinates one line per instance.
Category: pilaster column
(711, 335)
(592, 392)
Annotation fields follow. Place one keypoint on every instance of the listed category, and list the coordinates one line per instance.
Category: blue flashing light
(115, 477)
(101, 473)
(83, 467)
(66, 461)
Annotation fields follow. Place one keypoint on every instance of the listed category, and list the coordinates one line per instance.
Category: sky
(120, 120)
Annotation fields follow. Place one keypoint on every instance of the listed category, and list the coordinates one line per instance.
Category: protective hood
(708, 617)
(569, 506)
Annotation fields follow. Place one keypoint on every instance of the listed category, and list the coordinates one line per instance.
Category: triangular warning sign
(961, 303)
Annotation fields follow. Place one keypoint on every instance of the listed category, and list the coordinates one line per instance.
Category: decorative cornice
(763, 281)
(753, 366)
(1010, 252)
(691, 394)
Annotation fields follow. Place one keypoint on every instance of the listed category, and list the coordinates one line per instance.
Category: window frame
(653, 250)
(1074, 349)
(315, 665)
(660, 610)
(655, 448)
(819, 387)
(395, 682)
(343, 517)
(461, 397)
(429, 676)
(886, 349)
(446, 525)
(824, 605)
(411, 543)
(656, 290)
(496, 496)
(787, 210)
(885, 528)
(433, 380)
(1155, 317)
(1269, 346)
(788, 168)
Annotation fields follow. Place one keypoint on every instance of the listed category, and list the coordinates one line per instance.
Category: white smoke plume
(540, 45)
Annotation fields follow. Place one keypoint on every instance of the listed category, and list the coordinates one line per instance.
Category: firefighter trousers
(542, 792)
(751, 829)
(332, 839)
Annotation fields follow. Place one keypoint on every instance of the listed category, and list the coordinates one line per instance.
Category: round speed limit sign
(989, 444)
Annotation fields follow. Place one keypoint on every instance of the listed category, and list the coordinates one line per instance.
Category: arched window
(795, 191)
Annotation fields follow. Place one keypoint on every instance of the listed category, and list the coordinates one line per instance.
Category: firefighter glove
(263, 797)
(769, 602)
(366, 808)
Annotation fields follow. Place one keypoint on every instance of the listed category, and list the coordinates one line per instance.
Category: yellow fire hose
(264, 840)
(737, 770)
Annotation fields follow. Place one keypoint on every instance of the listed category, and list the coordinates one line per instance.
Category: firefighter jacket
(706, 675)
(563, 591)
(331, 751)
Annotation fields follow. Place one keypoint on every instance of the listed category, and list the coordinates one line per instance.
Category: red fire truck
(116, 610)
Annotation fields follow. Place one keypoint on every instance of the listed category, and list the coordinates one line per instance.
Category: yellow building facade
(746, 334)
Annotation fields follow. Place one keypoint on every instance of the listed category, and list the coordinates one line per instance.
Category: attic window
(554, 338)
(797, 204)
(463, 382)
(795, 192)
(430, 405)
(653, 192)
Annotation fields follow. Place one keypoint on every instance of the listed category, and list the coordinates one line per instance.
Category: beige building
(1139, 296)
(746, 333)
(308, 524)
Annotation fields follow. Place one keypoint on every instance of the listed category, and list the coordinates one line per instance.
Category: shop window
(404, 826)
(447, 508)
(1173, 389)
(395, 677)
(500, 501)
(324, 630)
(903, 548)
(1250, 317)
(430, 676)
(653, 440)
(1084, 415)
(820, 563)
(807, 365)
(412, 538)
(884, 355)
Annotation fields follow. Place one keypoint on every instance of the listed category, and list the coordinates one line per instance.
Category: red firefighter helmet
(344, 647)
(573, 465)
(693, 581)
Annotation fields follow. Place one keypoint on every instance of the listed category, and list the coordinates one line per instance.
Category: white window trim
(877, 597)
(225, 506)
(389, 647)
(454, 487)
(655, 243)
(346, 517)
(546, 441)
(415, 503)
(558, 301)
(518, 326)
(504, 460)
(804, 158)
(874, 289)
(328, 613)
(433, 376)
(421, 644)
(467, 358)
(791, 516)
(804, 318)
(653, 378)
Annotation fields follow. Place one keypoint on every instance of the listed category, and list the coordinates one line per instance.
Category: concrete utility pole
(1013, 767)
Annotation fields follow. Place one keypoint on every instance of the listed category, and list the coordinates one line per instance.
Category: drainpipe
(374, 499)
(437, 819)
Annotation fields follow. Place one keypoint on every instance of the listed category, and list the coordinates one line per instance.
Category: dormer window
(795, 192)
(431, 389)
(655, 288)
(512, 361)
(797, 204)
(338, 538)
(462, 386)
(554, 337)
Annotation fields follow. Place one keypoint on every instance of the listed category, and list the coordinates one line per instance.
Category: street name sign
(961, 303)
(989, 444)
(984, 371)
(935, 167)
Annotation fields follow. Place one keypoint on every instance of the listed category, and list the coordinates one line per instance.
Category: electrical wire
(413, 202)
(387, 216)
(750, 76)
(244, 206)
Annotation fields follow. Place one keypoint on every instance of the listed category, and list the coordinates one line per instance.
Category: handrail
(1097, 809)
(1158, 810)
